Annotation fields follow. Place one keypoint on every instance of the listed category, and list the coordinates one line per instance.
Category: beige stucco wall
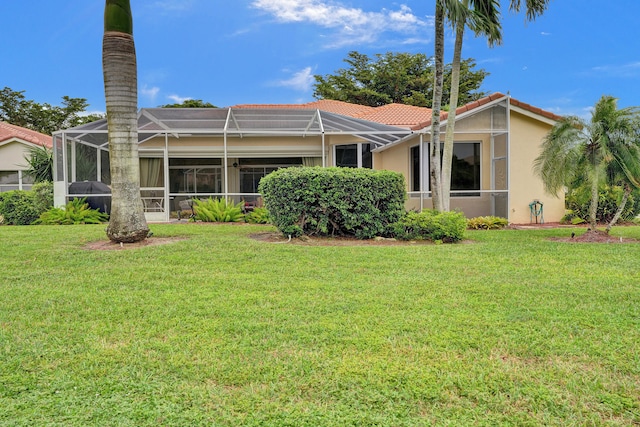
(12, 156)
(527, 135)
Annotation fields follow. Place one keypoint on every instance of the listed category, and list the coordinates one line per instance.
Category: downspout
(508, 154)
(324, 161)
(73, 160)
(421, 163)
(226, 161)
(167, 201)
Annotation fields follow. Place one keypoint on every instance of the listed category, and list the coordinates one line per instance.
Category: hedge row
(334, 201)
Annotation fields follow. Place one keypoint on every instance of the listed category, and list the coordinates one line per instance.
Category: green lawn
(223, 330)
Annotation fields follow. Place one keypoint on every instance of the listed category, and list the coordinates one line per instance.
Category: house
(15, 145)
(224, 152)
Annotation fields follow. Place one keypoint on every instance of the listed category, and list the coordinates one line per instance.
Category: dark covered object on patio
(87, 188)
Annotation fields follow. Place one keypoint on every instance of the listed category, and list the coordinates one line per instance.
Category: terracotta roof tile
(9, 131)
(400, 115)
(536, 110)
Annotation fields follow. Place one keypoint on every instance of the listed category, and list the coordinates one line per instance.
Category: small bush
(42, 196)
(333, 201)
(17, 207)
(578, 201)
(77, 211)
(218, 210)
(487, 223)
(258, 216)
(448, 227)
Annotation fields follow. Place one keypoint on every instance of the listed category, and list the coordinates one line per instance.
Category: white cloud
(301, 80)
(631, 69)
(352, 25)
(543, 33)
(150, 93)
(178, 99)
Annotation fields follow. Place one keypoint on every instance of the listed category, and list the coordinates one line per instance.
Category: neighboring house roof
(10, 132)
(401, 115)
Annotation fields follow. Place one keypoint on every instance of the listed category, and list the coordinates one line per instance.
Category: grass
(222, 330)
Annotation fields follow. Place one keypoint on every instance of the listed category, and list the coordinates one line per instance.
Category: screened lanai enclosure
(190, 154)
(218, 152)
(480, 164)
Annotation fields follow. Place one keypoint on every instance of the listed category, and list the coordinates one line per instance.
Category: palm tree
(127, 223)
(482, 16)
(604, 150)
(40, 164)
(434, 154)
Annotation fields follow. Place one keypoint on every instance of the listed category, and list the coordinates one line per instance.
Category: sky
(267, 51)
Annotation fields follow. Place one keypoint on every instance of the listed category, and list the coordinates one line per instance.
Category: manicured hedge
(17, 207)
(334, 201)
(447, 227)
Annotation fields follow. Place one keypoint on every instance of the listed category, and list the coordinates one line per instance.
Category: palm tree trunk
(127, 223)
(623, 202)
(434, 170)
(447, 153)
(593, 206)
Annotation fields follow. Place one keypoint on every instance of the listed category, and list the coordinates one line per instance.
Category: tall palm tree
(434, 154)
(483, 17)
(599, 151)
(127, 223)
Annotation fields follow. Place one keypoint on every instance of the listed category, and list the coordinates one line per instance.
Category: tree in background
(190, 103)
(393, 78)
(43, 118)
(127, 223)
(602, 151)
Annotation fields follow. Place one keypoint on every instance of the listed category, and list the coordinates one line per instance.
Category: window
(15, 180)
(465, 169)
(198, 176)
(353, 156)
(9, 180)
(415, 168)
(253, 170)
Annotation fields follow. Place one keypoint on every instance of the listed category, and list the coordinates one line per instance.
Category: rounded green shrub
(17, 207)
(487, 223)
(447, 227)
(333, 201)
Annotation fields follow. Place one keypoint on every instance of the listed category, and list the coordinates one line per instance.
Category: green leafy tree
(127, 223)
(190, 103)
(393, 78)
(43, 118)
(602, 151)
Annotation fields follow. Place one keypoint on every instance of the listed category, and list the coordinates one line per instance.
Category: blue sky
(267, 51)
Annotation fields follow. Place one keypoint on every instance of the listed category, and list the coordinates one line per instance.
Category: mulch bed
(108, 245)
(593, 236)
(589, 236)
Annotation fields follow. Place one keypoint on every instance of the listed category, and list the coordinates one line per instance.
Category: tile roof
(9, 131)
(401, 115)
